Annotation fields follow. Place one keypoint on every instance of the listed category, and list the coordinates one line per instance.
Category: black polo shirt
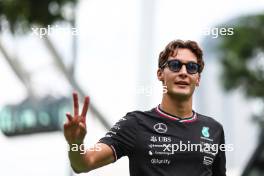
(160, 144)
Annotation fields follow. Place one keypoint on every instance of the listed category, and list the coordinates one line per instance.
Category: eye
(192, 66)
(175, 65)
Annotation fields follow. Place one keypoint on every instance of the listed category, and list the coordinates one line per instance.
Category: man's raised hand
(75, 127)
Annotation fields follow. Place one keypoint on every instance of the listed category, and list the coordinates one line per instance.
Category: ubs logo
(160, 128)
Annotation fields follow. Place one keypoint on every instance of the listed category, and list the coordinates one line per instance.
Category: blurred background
(109, 51)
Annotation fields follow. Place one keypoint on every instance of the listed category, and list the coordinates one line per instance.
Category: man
(168, 140)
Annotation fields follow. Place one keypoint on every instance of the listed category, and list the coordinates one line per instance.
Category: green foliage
(243, 56)
(22, 14)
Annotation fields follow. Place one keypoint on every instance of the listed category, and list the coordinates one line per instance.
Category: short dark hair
(176, 44)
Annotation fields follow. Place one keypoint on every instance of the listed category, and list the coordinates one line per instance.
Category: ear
(198, 81)
(160, 75)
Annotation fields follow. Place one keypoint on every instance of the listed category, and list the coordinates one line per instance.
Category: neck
(181, 108)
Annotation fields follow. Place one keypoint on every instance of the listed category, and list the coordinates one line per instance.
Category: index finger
(85, 107)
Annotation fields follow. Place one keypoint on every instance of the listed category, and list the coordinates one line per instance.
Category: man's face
(180, 84)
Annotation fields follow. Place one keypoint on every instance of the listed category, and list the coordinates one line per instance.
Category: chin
(181, 94)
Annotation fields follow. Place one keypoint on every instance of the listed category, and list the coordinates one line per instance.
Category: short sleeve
(122, 136)
(219, 166)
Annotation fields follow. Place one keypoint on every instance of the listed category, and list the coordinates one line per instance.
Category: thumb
(82, 128)
(81, 124)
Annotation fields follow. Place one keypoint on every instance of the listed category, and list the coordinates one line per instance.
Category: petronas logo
(205, 132)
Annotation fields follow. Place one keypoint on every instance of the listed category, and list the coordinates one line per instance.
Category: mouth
(182, 83)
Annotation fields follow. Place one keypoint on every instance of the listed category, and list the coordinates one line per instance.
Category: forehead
(183, 54)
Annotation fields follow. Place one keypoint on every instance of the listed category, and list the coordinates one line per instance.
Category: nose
(183, 71)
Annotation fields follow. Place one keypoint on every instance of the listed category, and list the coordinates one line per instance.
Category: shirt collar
(173, 117)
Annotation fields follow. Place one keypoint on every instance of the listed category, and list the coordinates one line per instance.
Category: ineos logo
(160, 128)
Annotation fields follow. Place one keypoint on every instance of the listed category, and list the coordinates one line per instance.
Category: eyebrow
(181, 61)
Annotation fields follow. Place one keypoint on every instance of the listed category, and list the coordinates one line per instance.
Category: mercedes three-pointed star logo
(160, 128)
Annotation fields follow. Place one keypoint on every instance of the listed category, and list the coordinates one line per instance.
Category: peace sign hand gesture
(75, 127)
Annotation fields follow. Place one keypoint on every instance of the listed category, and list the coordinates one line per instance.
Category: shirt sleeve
(122, 136)
(219, 165)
